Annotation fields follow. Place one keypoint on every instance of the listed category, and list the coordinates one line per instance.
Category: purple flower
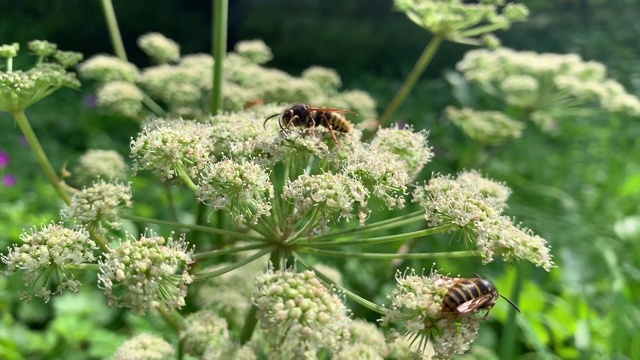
(91, 101)
(4, 159)
(9, 180)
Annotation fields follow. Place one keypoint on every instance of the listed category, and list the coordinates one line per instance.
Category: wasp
(302, 115)
(470, 294)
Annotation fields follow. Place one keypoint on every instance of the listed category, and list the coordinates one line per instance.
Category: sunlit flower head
(21, 89)
(106, 68)
(410, 146)
(9, 50)
(242, 189)
(456, 19)
(485, 127)
(158, 47)
(173, 148)
(99, 206)
(416, 303)
(495, 191)
(327, 197)
(512, 241)
(146, 274)
(68, 59)
(255, 51)
(327, 79)
(473, 206)
(384, 174)
(552, 83)
(242, 136)
(145, 347)
(42, 48)
(121, 98)
(96, 163)
(47, 256)
(297, 307)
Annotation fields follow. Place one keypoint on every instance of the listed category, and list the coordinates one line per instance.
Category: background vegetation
(578, 188)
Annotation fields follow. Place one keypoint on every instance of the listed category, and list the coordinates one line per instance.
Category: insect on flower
(302, 115)
(471, 294)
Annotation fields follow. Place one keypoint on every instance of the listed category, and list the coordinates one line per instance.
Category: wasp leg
(333, 135)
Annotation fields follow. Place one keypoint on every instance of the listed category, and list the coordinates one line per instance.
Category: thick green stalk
(382, 239)
(388, 256)
(412, 79)
(508, 338)
(31, 137)
(219, 45)
(114, 31)
(252, 320)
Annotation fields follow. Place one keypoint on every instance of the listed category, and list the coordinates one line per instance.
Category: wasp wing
(336, 110)
(474, 304)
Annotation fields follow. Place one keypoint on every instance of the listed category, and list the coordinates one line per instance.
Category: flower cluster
(120, 97)
(417, 303)
(99, 206)
(385, 174)
(104, 164)
(296, 306)
(474, 205)
(243, 189)
(366, 341)
(170, 148)
(159, 48)
(458, 20)
(47, 257)
(325, 195)
(229, 294)
(20, 89)
(184, 85)
(107, 68)
(203, 329)
(485, 127)
(410, 146)
(546, 85)
(145, 347)
(255, 51)
(147, 273)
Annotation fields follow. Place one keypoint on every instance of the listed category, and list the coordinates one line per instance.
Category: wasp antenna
(478, 275)
(264, 124)
(512, 303)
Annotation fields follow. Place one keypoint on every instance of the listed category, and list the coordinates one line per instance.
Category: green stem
(249, 325)
(412, 78)
(508, 338)
(233, 250)
(388, 256)
(239, 264)
(31, 137)
(252, 320)
(374, 227)
(351, 295)
(219, 38)
(152, 105)
(201, 211)
(384, 239)
(114, 31)
(193, 227)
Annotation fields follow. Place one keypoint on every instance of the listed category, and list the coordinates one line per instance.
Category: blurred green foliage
(579, 188)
